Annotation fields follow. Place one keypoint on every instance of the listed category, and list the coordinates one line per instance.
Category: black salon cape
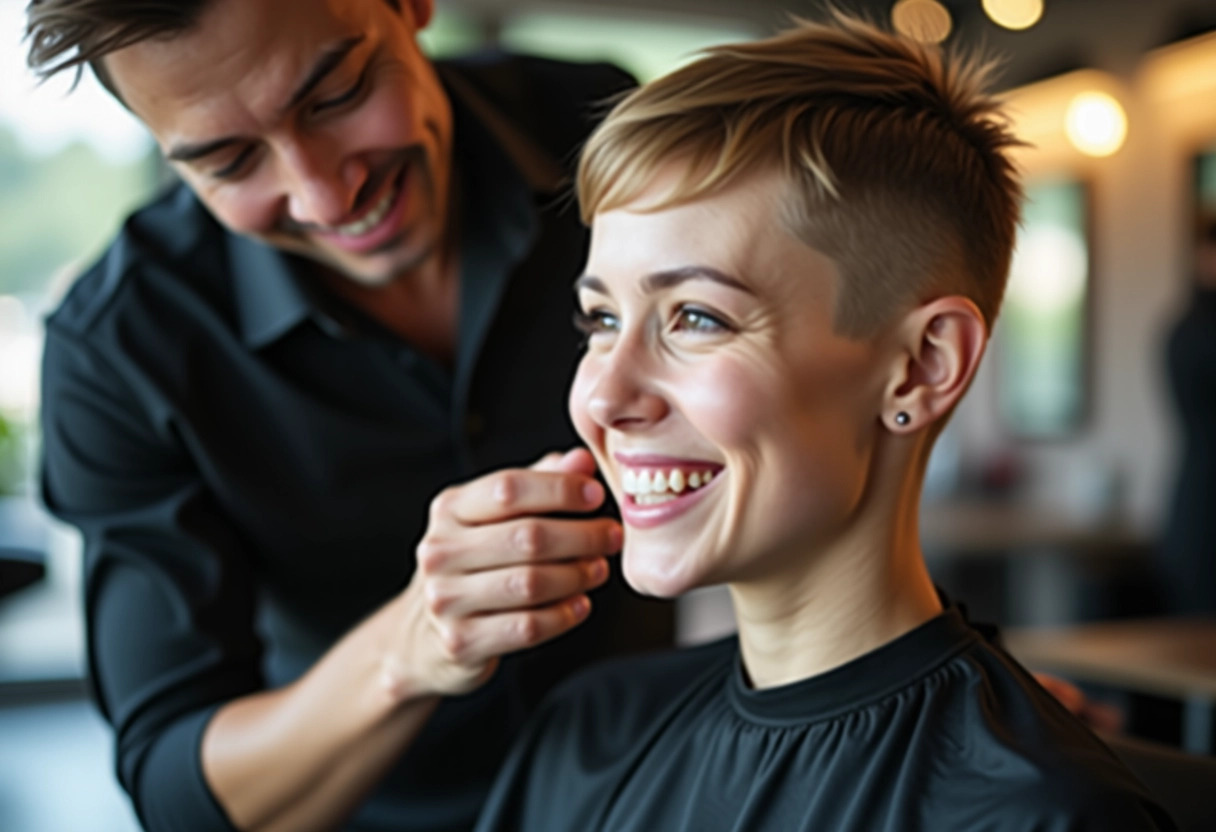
(935, 731)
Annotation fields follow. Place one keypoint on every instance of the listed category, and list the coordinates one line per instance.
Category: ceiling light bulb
(1014, 14)
(1095, 123)
(927, 21)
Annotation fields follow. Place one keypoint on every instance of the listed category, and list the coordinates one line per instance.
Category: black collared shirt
(251, 463)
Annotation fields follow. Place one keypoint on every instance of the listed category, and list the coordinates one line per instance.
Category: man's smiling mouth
(372, 218)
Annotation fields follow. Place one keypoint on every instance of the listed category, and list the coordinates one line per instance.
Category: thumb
(573, 461)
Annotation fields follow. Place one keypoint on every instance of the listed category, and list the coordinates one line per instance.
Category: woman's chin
(658, 575)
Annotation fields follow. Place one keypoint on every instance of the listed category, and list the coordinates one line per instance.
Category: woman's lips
(657, 489)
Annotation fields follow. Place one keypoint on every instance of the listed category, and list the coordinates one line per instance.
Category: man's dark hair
(67, 34)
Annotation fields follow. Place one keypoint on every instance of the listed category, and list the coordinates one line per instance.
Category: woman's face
(734, 426)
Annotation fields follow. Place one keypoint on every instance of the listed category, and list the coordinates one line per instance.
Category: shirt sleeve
(168, 591)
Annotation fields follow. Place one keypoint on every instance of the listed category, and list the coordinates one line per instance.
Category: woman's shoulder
(1015, 750)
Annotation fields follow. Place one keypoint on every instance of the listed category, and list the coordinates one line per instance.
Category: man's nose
(626, 394)
(322, 186)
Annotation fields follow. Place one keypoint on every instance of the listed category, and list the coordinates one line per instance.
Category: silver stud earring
(902, 419)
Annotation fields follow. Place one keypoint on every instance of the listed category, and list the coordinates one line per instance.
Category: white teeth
(653, 499)
(676, 481)
(646, 482)
(371, 219)
(659, 485)
(643, 483)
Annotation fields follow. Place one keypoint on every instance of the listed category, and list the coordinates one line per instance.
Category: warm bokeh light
(1014, 14)
(1095, 123)
(927, 21)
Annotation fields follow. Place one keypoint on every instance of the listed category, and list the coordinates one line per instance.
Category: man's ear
(420, 10)
(939, 349)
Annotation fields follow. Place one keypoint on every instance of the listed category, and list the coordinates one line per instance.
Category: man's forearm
(303, 757)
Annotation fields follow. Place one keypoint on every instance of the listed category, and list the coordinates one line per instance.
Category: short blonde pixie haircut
(895, 153)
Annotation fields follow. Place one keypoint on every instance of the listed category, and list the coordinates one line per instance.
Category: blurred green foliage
(12, 458)
(60, 209)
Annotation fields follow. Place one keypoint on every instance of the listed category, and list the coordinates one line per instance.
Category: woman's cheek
(725, 401)
(580, 395)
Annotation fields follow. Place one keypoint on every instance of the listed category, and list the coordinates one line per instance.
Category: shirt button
(474, 424)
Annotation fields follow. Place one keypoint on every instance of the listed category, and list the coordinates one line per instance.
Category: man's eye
(339, 100)
(235, 167)
(698, 321)
(595, 322)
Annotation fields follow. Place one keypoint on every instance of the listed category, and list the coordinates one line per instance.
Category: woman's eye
(698, 321)
(595, 322)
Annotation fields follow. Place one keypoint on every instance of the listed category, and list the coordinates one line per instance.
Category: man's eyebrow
(327, 63)
(190, 152)
(668, 278)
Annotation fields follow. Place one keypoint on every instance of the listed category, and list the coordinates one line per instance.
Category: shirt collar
(270, 297)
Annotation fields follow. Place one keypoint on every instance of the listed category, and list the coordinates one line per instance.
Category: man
(1187, 558)
(358, 297)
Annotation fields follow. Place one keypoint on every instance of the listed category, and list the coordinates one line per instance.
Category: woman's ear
(939, 348)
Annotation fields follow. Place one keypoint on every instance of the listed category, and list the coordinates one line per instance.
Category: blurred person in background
(357, 296)
(1188, 549)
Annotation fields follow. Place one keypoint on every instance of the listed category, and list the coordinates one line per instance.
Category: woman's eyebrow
(657, 281)
(668, 278)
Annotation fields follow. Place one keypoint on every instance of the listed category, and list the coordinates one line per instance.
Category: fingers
(573, 461)
(496, 574)
(471, 642)
(515, 588)
(517, 542)
(1068, 694)
(516, 493)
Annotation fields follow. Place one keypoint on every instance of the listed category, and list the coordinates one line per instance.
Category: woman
(798, 249)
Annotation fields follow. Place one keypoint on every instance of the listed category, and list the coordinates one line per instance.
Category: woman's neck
(832, 606)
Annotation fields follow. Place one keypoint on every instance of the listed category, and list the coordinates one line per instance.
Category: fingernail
(593, 492)
(597, 570)
(580, 606)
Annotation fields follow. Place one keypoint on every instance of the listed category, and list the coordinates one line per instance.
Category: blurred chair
(1184, 784)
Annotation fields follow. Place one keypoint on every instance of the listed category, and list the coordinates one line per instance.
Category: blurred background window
(1040, 336)
(645, 45)
(69, 173)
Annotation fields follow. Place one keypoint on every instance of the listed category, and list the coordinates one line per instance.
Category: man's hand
(1099, 717)
(495, 575)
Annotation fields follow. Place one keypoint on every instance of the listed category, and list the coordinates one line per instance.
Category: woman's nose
(322, 187)
(624, 394)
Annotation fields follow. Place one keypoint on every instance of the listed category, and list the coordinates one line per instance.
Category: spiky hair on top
(895, 155)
